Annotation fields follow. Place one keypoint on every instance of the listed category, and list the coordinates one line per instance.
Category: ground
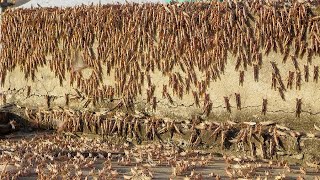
(47, 155)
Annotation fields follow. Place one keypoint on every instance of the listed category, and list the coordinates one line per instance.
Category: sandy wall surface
(47, 90)
(252, 93)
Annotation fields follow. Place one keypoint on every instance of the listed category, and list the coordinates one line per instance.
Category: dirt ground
(47, 155)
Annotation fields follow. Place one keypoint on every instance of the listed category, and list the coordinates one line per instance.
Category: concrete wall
(46, 84)
(252, 93)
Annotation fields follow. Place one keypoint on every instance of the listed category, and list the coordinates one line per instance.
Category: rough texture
(144, 56)
(192, 74)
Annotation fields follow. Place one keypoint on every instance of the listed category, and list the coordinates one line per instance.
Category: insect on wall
(161, 55)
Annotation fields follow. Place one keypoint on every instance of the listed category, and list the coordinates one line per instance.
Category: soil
(17, 146)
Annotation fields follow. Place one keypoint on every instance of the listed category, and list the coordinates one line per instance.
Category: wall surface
(252, 93)
(196, 52)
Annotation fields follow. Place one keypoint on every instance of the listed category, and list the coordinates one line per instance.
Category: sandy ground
(46, 155)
